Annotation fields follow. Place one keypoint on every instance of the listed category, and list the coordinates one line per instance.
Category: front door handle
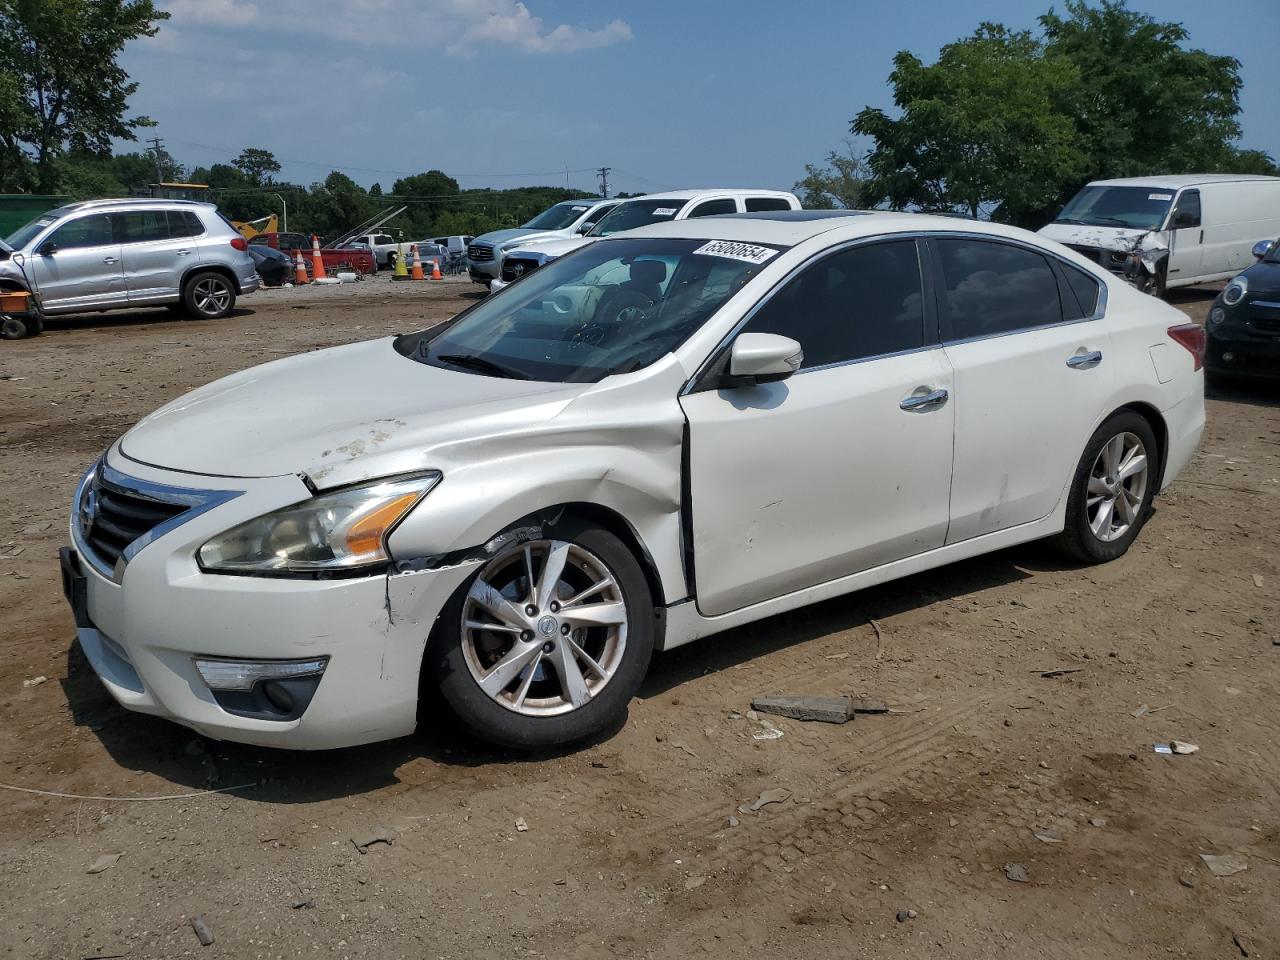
(924, 402)
(183, 253)
(1084, 361)
(108, 259)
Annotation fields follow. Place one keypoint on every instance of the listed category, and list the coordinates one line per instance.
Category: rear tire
(544, 687)
(1111, 490)
(208, 295)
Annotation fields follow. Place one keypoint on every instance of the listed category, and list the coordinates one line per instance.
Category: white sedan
(659, 436)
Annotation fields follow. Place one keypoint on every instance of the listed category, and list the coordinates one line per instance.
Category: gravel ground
(638, 845)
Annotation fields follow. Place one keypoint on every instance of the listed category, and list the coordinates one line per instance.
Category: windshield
(636, 213)
(24, 235)
(609, 307)
(559, 217)
(1139, 208)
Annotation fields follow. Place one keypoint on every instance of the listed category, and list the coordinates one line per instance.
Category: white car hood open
(339, 416)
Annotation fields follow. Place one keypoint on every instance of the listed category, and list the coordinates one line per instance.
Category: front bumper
(1247, 342)
(485, 271)
(142, 628)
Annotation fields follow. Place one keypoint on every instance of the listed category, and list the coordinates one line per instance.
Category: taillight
(1191, 336)
(240, 243)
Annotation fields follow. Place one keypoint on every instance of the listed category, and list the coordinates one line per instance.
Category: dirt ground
(636, 845)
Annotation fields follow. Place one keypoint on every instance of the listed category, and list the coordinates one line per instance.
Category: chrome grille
(480, 252)
(113, 517)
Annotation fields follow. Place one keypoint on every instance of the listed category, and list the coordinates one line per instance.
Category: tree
(984, 127)
(433, 183)
(257, 165)
(1144, 103)
(844, 182)
(61, 84)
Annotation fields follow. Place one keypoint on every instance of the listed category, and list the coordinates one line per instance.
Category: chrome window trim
(196, 501)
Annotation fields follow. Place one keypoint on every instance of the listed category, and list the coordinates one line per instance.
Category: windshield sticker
(747, 252)
(664, 211)
(1159, 196)
(578, 209)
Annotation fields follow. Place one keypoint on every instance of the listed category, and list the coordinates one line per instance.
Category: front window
(560, 217)
(637, 213)
(607, 308)
(19, 239)
(1137, 208)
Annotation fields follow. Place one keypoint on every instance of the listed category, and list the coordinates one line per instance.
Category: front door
(156, 249)
(81, 269)
(1032, 372)
(844, 466)
(1186, 239)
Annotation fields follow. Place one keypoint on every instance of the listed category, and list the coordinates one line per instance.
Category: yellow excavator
(251, 228)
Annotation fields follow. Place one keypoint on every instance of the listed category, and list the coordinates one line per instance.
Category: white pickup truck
(384, 247)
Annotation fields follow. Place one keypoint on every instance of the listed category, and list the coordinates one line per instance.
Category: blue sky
(501, 93)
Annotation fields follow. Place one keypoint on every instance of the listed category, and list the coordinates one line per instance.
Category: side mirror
(584, 229)
(47, 249)
(1262, 248)
(762, 358)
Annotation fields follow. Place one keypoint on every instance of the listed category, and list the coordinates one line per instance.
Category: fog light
(1228, 356)
(243, 675)
(1216, 316)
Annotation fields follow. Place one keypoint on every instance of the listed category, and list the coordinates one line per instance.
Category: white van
(1173, 231)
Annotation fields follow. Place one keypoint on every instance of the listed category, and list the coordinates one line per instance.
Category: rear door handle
(924, 402)
(183, 253)
(108, 259)
(1084, 361)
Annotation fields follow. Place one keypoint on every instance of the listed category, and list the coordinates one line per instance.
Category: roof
(710, 191)
(788, 228)
(1178, 181)
(133, 202)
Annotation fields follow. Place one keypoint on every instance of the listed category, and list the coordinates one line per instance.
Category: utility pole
(157, 145)
(603, 172)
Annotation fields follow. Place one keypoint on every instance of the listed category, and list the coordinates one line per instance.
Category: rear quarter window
(1081, 296)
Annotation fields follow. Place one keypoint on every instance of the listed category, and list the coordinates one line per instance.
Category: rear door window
(184, 223)
(990, 288)
(761, 204)
(862, 302)
(141, 226)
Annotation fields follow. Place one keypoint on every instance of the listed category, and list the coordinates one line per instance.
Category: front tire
(548, 642)
(1112, 489)
(208, 296)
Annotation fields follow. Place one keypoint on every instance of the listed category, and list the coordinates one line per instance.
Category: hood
(1264, 279)
(552, 247)
(499, 237)
(339, 416)
(1106, 238)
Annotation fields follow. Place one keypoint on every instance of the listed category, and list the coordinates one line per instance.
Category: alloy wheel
(544, 627)
(211, 296)
(1117, 486)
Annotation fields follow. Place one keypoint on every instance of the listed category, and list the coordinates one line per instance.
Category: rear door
(84, 271)
(1032, 372)
(845, 465)
(1186, 239)
(154, 258)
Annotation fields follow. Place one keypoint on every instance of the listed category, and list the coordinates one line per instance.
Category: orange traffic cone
(417, 262)
(300, 278)
(317, 261)
(435, 269)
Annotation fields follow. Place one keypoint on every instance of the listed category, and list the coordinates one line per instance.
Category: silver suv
(114, 254)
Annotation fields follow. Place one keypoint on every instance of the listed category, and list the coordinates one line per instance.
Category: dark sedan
(274, 267)
(1244, 321)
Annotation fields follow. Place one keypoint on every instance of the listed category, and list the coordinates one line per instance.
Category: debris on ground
(1048, 836)
(1224, 865)
(1257, 580)
(1242, 944)
(905, 915)
(203, 931)
(693, 883)
(380, 835)
(1162, 748)
(774, 795)
(522, 825)
(1059, 671)
(821, 709)
(1187, 877)
(1097, 822)
(1182, 748)
(869, 705)
(1140, 712)
(34, 681)
(104, 862)
(879, 638)
(1016, 872)
(301, 903)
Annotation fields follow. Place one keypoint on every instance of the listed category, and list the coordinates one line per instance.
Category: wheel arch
(218, 268)
(1158, 426)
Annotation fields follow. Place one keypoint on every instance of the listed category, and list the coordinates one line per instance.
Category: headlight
(1235, 291)
(339, 531)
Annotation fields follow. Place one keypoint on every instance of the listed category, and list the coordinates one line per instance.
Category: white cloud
(460, 27)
